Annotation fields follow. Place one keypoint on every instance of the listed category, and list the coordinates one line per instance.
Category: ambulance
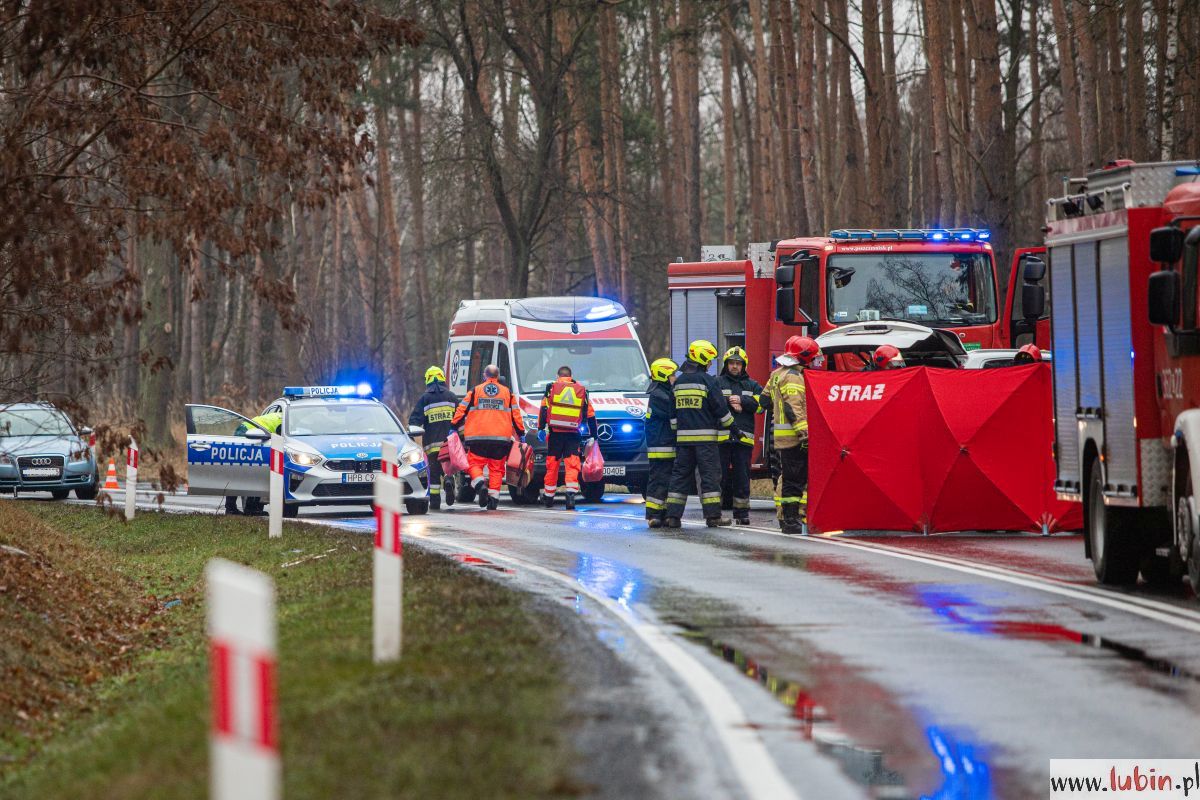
(529, 340)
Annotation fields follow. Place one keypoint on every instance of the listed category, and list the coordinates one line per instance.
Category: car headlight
(412, 456)
(6, 460)
(302, 458)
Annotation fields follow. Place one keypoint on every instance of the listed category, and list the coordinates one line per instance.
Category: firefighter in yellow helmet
(702, 421)
(743, 394)
(433, 412)
(660, 439)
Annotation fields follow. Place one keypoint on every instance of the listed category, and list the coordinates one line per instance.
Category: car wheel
(416, 507)
(60, 494)
(524, 497)
(88, 492)
(593, 492)
(291, 510)
(1114, 549)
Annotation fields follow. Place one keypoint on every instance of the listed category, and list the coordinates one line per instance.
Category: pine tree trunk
(1080, 11)
(1036, 156)
(806, 122)
(728, 130)
(396, 349)
(1070, 85)
(875, 108)
(1135, 82)
(936, 45)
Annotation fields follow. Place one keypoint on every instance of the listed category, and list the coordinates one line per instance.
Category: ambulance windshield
(935, 289)
(600, 365)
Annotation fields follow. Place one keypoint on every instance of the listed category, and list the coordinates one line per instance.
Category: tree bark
(875, 109)
(936, 45)
(1080, 11)
(396, 348)
(1135, 83)
(806, 122)
(1038, 185)
(728, 129)
(1073, 117)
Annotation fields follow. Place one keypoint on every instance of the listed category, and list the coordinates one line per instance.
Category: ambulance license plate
(41, 472)
(358, 477)
(614, 470)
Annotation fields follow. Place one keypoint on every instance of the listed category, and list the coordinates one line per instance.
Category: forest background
(206, 200)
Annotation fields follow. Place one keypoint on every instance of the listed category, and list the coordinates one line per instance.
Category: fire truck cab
(938, 278)
(1126, 342)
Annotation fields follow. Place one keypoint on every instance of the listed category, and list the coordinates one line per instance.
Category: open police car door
(227, 454)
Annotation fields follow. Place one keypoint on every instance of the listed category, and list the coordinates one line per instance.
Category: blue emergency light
(911, 234)
(361, 390)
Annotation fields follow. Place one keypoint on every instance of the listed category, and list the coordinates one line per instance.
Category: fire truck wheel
(1115, 554)
(1188, 541)
(1156, 571)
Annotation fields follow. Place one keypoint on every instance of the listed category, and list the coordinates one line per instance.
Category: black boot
(741, 520)
(654, 522)
(493, 503)
(790, 522)
(435, 501)
(483, 496)
(717, 522)
(672, 522)
(547, 500)
(231, 506)
(570, 501)
(448, 491)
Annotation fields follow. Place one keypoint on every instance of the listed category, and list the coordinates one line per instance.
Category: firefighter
(433, 412)
(488, 419)
(565, 407)
(886, 357)
(660, 439)
(743, 394)
(1029, 354)
(271, 423)
(701, 421)
(787, 417)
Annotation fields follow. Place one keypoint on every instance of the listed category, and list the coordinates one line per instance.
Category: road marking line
(1167, 614)
(747, 752)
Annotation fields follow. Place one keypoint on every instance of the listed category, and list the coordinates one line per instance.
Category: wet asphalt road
(944, 666)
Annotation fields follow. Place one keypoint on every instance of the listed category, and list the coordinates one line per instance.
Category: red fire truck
(1126, 342)
(940, 278)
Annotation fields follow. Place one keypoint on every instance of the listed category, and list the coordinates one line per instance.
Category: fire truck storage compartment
(1093, 359)
(715, 314)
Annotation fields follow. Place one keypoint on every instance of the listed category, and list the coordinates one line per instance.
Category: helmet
(801, 350)
(887, 355)
(1028, 354)
(434, 374)
(702, 352)
(735, 354)
(662, 369)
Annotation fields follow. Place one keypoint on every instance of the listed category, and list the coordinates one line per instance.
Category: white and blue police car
(333, 442)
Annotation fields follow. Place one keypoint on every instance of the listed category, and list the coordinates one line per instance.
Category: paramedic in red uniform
(488, 419)
(564, 408)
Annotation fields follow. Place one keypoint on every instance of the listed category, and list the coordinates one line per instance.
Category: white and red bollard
(387, 617)
(389, 462)
(244, 737)
(275, 501)
(131, 471)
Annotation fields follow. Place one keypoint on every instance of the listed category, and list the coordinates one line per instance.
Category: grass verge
(113, 698)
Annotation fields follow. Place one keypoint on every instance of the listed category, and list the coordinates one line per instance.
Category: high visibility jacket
(489, 413)
(701, 413)
(433, 412)
(660, 434)
(788, 411)
(271, 423)
(565, 406)
(750, 392)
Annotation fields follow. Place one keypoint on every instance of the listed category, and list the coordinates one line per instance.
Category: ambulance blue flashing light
(361, 390)
(911, 235)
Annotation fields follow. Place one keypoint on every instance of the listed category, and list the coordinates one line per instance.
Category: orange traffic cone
(110, 481)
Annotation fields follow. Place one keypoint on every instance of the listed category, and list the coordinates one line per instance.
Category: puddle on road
(931, 756)
(475, 561)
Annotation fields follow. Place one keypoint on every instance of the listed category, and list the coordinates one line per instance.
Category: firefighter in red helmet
(886, 356)
(787, 420)
(1029, 354)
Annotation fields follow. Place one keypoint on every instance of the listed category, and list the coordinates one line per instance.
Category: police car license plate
(358, 477)
(41, 472)
(614, 470)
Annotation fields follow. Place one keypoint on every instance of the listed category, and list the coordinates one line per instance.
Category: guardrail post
(131, 477)
(275, 512)
(387, 611)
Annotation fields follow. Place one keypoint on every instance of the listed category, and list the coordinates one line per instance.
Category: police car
(333, 442)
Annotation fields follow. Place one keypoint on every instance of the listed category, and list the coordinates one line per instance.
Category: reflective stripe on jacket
(489, 413)
(750, 393)
(565, 405)
(660, 411)
(701, 413)
(788, 407)
(433, 412)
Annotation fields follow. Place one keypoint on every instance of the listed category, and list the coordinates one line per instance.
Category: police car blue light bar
(911, 234)
(361, 390)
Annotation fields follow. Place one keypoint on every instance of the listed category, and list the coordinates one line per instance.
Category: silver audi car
(41, 450)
